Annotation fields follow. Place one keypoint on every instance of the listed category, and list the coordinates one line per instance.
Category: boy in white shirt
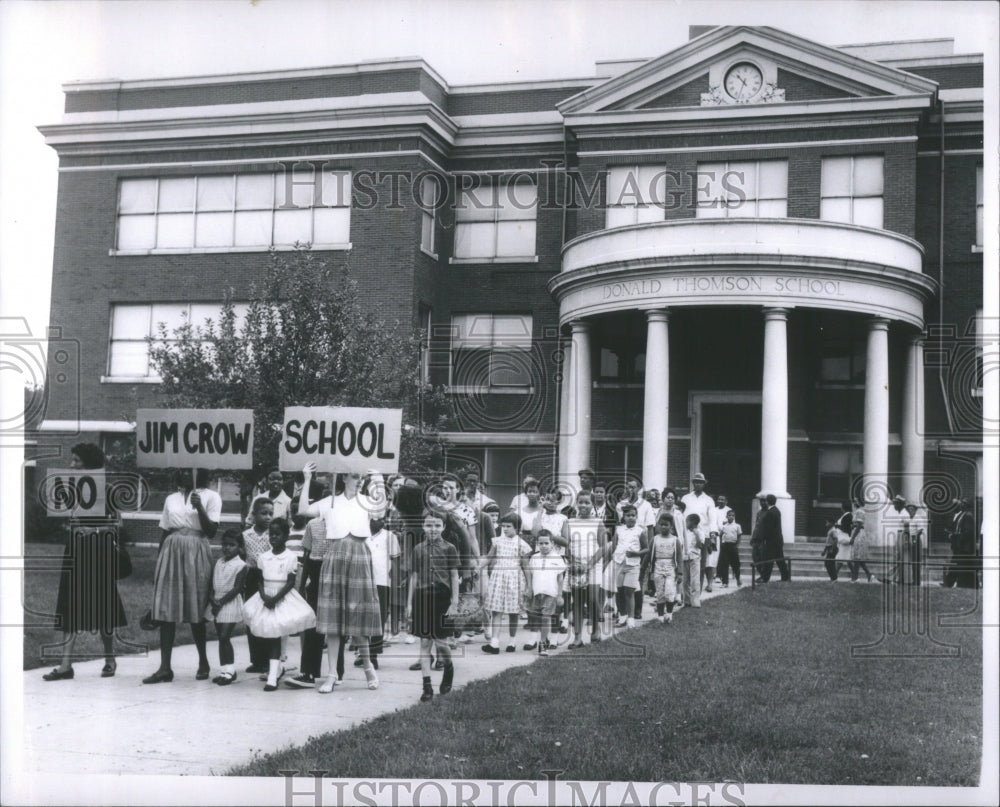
(630, 546)
(545, 574)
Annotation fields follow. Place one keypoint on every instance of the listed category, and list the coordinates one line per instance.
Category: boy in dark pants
(433, 596)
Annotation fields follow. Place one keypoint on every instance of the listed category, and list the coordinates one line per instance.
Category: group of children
(592, 567)
(579, 563)
(345, 583)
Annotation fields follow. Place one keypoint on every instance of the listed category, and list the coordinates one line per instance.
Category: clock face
(743, 81)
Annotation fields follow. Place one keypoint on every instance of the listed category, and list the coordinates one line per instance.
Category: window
(851, 190)
(843, 361)
(425, 316)
(496, 220)
(619, 356)
(128, 355)
(242, 211)
(979, 207)
(491, 351)
(753, 189)
(635, 195)
(838, 467)
(430, 195)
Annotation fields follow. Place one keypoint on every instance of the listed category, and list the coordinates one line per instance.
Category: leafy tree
(304, 340)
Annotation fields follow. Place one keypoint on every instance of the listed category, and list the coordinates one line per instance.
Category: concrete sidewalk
(117, 725)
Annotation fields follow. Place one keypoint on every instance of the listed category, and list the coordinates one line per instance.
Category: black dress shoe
(257, 668)
(159, 677)
(55, 675)
(427, 695)
(202, 674)
(109, 670)
(447, 678)
(488, 648)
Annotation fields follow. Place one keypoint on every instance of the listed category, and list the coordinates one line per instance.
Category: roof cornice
(842, 111)
(716, 42)
(373, 66)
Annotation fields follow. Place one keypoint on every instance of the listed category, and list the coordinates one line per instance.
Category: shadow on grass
(754, 687)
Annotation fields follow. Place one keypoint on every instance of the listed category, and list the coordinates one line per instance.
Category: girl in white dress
(505, 562)
(277, 609)
(225, 605)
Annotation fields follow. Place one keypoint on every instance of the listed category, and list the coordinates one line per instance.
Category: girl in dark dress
(88, 597)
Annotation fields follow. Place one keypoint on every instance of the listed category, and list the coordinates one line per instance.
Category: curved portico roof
(786, 263)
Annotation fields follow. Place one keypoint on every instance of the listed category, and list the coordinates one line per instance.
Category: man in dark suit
(768, 531)
(757, 540)
(962, 569)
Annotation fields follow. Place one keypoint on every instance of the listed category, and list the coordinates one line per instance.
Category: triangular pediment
(759, 65)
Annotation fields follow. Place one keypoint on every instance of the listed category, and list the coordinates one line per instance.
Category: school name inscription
(725, 284)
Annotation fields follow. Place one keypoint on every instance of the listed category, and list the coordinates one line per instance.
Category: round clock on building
(743, 81)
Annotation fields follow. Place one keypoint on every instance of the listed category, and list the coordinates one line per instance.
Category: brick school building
(755, 256)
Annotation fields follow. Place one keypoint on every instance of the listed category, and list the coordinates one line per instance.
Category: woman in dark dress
(88, 597)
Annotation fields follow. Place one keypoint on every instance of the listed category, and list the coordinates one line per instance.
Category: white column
(577, 429)
(656, 402)
(913, 422)
(565, 415)
(774, 420)
(876, 436)
(774, 405)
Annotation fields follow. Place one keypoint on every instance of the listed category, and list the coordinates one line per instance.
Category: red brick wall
(688, 94)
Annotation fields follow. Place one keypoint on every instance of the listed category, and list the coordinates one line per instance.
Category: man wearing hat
(697, 501)
(896, 527)
(962, 569)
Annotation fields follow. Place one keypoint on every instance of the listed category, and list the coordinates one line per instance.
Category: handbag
(123, 561)
(469, 613)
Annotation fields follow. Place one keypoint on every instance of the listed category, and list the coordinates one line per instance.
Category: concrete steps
(807, 563)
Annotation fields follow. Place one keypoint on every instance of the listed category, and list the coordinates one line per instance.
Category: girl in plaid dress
(506, 561)
(347, 605)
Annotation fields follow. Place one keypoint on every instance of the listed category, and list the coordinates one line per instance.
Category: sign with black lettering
(194, 438)
(340, 439)
(74, 492)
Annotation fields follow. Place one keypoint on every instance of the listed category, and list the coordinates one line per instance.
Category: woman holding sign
(88, 592)
(183, 578)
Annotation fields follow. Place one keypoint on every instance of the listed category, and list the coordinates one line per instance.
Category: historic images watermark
(549, 186)
(313, 789)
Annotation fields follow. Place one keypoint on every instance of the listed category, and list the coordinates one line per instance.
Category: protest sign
(194, 438)
(74, 492)
(340, 439)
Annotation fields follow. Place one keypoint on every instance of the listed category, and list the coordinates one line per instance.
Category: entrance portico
(776, 266)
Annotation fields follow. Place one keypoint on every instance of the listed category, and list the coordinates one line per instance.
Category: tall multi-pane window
(851, 190)
(744, 189)
(491, 351)
(635, 195)
(235, 211)
(979, 206)
(838, 467)
(495, 219)
(128, 353)
(425, 315)
(430, 195)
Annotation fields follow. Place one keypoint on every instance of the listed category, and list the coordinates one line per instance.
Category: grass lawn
(754, 687)
(41, 584)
